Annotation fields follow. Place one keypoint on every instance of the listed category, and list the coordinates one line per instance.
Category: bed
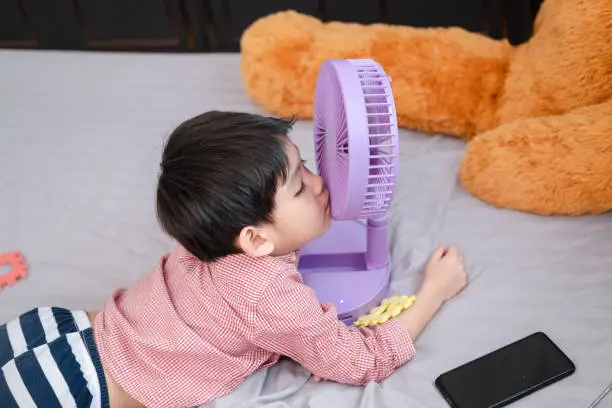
(81, 135)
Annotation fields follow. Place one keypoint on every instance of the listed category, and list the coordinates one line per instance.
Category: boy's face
(302, 209)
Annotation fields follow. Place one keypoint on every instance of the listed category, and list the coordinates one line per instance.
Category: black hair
(219, 173)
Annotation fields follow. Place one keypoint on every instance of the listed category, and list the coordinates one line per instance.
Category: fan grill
(330, 119)
(355, 135)
(382, 129)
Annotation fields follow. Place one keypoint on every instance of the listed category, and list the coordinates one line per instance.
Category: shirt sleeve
(290, 321)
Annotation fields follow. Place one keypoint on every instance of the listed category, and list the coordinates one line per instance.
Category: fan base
(334, 265)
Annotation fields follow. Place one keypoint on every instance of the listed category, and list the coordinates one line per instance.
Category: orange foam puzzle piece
(19, 268)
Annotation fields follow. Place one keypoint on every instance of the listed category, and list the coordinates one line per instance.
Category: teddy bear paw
(547, 166)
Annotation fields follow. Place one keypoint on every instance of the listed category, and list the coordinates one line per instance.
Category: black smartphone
(506, 375)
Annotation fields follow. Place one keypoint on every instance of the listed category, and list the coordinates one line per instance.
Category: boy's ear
(255, 242)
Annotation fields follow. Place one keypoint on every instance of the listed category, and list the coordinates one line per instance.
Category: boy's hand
(444, 277)
(445, 274)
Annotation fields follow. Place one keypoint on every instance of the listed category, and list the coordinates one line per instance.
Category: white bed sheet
(81, 136)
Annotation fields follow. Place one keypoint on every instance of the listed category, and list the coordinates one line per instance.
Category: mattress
(81, 136)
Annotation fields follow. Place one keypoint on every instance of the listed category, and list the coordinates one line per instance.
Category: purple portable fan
(356, 148)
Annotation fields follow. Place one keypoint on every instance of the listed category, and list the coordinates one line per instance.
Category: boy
(228, 301)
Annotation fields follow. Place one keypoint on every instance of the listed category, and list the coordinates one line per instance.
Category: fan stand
(349, 266)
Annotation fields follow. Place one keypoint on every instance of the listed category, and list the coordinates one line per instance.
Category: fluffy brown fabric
(537, 117)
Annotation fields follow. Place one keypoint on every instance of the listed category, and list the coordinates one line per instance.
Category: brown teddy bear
(538, 116)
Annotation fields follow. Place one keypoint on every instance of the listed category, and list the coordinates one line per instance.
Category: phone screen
(505, 375)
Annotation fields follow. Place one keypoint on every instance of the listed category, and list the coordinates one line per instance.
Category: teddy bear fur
(537, 117)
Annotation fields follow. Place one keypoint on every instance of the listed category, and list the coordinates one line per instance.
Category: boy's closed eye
(302, 185)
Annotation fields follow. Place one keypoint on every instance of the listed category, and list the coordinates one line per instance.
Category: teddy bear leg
(548, 165)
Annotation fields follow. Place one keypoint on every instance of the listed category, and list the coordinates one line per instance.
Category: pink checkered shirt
(190, 332)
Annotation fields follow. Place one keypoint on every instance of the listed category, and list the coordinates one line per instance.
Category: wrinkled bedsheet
(81, 136)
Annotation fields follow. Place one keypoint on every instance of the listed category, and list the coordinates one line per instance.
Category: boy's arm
(419, 314)
(444, 277)
(290, 321)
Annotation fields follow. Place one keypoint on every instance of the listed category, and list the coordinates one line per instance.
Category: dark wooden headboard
(216, 25)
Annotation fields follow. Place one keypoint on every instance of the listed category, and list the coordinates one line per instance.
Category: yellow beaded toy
(388, 308)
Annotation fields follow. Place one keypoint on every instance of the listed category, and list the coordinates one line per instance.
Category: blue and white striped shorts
(48, 358)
